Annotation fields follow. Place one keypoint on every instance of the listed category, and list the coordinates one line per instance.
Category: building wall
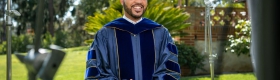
(225, 62)
(223, 22)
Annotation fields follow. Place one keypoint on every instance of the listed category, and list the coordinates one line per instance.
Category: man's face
(134, 8)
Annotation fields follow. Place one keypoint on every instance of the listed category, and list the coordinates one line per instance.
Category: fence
(223, 21)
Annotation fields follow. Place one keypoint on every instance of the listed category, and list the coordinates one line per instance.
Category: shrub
(3, 48)
(62, 38)
(18, 44)
(239, 43)
(188, 56)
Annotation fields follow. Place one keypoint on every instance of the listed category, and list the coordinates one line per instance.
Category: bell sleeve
(97, 62)
(167, 66)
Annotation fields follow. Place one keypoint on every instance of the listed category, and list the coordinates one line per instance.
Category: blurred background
(72, 25)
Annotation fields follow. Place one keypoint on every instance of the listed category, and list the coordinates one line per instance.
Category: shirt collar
(125, 25)
(129, 20)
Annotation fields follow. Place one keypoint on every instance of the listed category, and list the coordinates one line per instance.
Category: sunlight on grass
(72, 67)
(18, 70)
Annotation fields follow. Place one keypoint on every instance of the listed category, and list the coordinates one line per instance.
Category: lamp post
(9, 70)
(9, 14)
(40, 63)
(209, 5)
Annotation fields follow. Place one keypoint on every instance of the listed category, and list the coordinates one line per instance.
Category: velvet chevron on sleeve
(91, 70)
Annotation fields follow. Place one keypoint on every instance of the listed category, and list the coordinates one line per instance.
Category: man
(133, 48)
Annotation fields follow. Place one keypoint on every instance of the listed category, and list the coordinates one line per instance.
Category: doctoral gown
(125, 51)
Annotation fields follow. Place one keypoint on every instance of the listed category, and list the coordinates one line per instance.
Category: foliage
(61, 38)
(174, 19)
(47, 40)
(224, 3)
(2, 31)
(96, 22)
(28, 10)
(88, 8)
(160, 11)
(92, 6)
(235, 5)
(18, 44)
(3, 48)
(189, 56)
(240, 42)
(64, 39)
(2, 8)
(75, 39)
(73, 67)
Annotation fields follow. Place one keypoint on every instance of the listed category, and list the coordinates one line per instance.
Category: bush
(3, 48)
(47, 40)
(189, 56)
(75, 38)
(18, 44)
(65, 39)
(62, 38)
(239, 43)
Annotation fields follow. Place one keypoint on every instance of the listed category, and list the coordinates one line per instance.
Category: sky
(68, 13)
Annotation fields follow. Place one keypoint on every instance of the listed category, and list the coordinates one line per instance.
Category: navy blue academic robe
(124, 51)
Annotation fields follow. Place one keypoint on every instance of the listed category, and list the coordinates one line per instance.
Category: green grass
(73, 68)
(233, 76)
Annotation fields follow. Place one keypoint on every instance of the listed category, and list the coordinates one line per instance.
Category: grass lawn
(234, 76)
(73, 68)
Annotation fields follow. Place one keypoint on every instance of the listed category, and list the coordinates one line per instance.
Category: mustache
(138, 4)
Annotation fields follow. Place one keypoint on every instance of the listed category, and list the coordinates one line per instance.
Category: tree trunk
(51, 27)
(3, 35)
(186, 2)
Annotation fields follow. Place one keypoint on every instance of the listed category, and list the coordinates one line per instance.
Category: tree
(225, 3)
(54, 9)
(87, 8)
(158, 10)
(2, 24)
(91, 6)
(2, 8)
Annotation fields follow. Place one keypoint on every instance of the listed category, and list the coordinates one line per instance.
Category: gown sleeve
(97, 62)
(168, 67)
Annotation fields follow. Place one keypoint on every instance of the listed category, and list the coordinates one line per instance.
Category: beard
(129, 11)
